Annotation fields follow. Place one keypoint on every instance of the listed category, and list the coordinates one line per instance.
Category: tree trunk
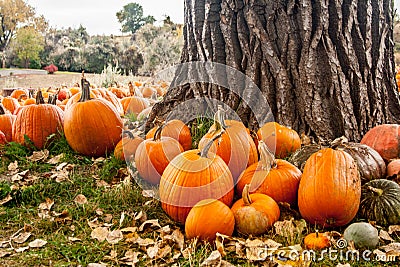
(326, 68)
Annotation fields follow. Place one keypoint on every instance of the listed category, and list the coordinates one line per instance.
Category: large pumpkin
(380, 202)
(192, 176)
(92, 126)
(385, 139)
(280, 139)
(235, 146)
(276, 178)
(330, 188)
(6, 122)
(38, 122)
(153, 155)
(176, 129)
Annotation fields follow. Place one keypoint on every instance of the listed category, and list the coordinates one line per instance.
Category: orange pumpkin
(74, 90)
(109, 96)
(385, 139)
(153, 155)
(207, 218)
(127, 146)
(316, 241)
(134, 104)
(280, 139)
(393, 168)
(92, 126)
(38, 122)
(176, 129)
(10, 103)
(330, 188)
(6, 122)
(118, 92)
(276, 178)
(3, 139)
(254, 213)
(192, 176)
(17, 93)
(235, 147)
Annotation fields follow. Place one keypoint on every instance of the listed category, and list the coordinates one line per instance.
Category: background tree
(27, 45)
(14, 14)
(131, 17)
(325, 67)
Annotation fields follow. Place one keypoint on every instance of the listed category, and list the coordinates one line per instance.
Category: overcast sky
(98, 16)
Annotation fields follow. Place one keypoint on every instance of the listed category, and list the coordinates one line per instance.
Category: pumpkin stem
(204, 152)
(219, 119)
(377, 191)
(2, 111)
(85, 95)
(39, 98)
(316, 233)
(157, 133)
(339, 141)
(131, 89)
(246, 195)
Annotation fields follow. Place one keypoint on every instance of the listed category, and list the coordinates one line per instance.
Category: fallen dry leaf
(130, 258)
(385, 236)
(13, 166)
(164, 252)
(343, 265)
(148, 193)
(80, 199)
(100, 233)
(74, 239)
(144, 242)
(22, 237)
(47, 205)
(56, 159)
(129, 230)
(97, 265)
(21, 249)
(149, 224)
(114, 237)
(152, 251)
(61, 166)
(213, 260)
(37, 243)
(290, 229)
(60, 176)
(393, 229)
(5, 200)
(4, 253)
(39, 155)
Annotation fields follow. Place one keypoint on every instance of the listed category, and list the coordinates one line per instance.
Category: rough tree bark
(325, 67)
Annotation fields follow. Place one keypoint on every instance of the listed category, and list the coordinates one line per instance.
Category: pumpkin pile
(234, 182)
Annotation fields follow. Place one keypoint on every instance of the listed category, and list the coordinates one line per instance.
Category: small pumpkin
(362, 234)
(134, 104)
(153, 155)
(6, 122)
(393, 168)
(207, 218)
(127, 146)
(276, 178)
(316, 241)
(330, 188)
(192, 176)
(17, 93)
(380, 202)
(176, 129)
(255, 213)
(280, 139)
(385, 139)
(10, 104)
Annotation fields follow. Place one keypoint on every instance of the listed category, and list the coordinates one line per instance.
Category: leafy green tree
(132, 18)
(27, 45)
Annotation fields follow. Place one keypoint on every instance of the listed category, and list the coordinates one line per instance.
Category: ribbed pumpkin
(385, 139)
(134, 104)
(207, 218)
(380, 202)
(38, 122)
(92, 126)
(254, 213)
(330, 188)
(235, 146)
(6, 122)
(17, 93)
(127, 146)
(153, 155)
(316, 241)
(276, 178)
(193, 176)
(176, 129)
(280, 139)
(109, 96)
